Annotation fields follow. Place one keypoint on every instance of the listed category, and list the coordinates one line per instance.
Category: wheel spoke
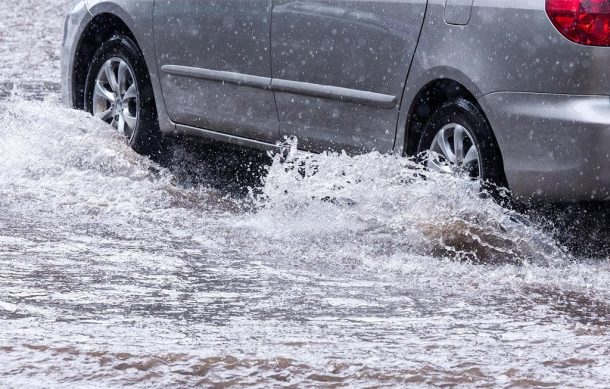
(444, 145)
(101, 91)
(105, 115)
(459, 134)
(434, 163)
(121, 125)
(115, 96)
(129, 120)
(111, 76)
(453, 150)
(122, 82)
(131, 93)
(472, 156)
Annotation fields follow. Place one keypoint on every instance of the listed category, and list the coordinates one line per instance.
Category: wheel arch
(434, 89)
(428, 99)
(422, 79)
(437, 86)
(99, 29)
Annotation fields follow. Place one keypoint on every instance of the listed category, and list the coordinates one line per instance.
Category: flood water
(198, 270)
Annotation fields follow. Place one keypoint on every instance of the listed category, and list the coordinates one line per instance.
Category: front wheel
(458, 140)
(118, 91)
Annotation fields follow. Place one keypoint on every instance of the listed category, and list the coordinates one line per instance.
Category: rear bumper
(555, 147)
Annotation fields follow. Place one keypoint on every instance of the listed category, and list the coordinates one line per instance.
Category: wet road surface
(328, 270)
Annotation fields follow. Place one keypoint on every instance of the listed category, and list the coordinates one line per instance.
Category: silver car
(513, 93)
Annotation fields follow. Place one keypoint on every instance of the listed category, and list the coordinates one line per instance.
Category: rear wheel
(118, 91)
(458, 140)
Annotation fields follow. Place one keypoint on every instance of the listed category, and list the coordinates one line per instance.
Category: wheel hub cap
(454, 151)
(116, 96)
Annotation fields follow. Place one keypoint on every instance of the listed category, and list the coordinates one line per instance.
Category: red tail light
(582, 21)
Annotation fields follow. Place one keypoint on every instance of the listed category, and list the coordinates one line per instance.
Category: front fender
(77, 19)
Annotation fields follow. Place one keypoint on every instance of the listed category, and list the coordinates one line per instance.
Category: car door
(215, 65)
(339, 68)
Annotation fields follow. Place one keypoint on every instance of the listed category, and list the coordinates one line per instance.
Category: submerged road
(327, 270)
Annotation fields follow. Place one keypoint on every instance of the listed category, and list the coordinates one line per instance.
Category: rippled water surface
(346, 271)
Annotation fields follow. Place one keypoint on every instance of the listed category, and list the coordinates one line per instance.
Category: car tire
(464, 114)
(145, 136)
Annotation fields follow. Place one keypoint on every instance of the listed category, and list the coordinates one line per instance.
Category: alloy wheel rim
(116, 98)
(454, 151)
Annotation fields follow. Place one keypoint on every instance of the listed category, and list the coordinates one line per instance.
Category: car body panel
(558, 146)
(510, 47)
(526, 55)
(545, 97)
(458, 11)
(363, 46)
(230, 36)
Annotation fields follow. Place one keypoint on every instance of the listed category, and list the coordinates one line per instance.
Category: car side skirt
(180, 129)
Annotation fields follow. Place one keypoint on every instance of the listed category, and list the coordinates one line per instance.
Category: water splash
(391, 205)
(344, 269)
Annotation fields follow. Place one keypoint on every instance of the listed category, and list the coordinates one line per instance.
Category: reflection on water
(329, 269)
